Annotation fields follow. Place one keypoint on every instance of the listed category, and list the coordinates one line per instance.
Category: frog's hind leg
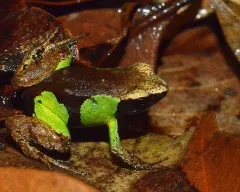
(29, 132)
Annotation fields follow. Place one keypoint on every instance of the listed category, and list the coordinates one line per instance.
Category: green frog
(79, 97)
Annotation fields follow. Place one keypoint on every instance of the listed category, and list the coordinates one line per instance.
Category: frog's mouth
(133, 106)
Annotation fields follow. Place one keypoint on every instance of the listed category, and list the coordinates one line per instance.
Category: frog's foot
(31, 133)
(123, 154)
(130, 159)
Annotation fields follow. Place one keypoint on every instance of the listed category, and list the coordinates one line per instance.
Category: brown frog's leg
(120, 152)
(28, 132)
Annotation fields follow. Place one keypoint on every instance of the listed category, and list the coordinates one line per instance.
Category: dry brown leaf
(28, 180)
(212, 162)
(106, 28)
(200, 79)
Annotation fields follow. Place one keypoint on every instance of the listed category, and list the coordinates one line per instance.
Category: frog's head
(145, 89)
(43, 60)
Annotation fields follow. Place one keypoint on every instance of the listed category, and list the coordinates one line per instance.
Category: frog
(79, 97)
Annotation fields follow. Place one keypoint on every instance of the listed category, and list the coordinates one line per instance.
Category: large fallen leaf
(149, 25)
(28, 180)
(200, 79)
(212, 162)
(143, 39)
(144, 36)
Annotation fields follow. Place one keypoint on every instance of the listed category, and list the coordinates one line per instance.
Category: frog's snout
(164, 86)
(148, 92)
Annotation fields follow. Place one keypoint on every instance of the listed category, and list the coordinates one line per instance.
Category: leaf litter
(194, 71)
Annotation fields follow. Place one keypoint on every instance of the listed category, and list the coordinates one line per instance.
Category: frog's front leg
(120, 152)
(32, 134)
(101, 109)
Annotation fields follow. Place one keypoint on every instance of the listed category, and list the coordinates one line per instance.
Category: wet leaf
(228, 13)
(148, 27)
(144, 36)
(140, 45)
(213, 157)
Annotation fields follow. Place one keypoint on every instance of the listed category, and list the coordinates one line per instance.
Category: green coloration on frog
(65, 62)
(49, 110)
(98, 110)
